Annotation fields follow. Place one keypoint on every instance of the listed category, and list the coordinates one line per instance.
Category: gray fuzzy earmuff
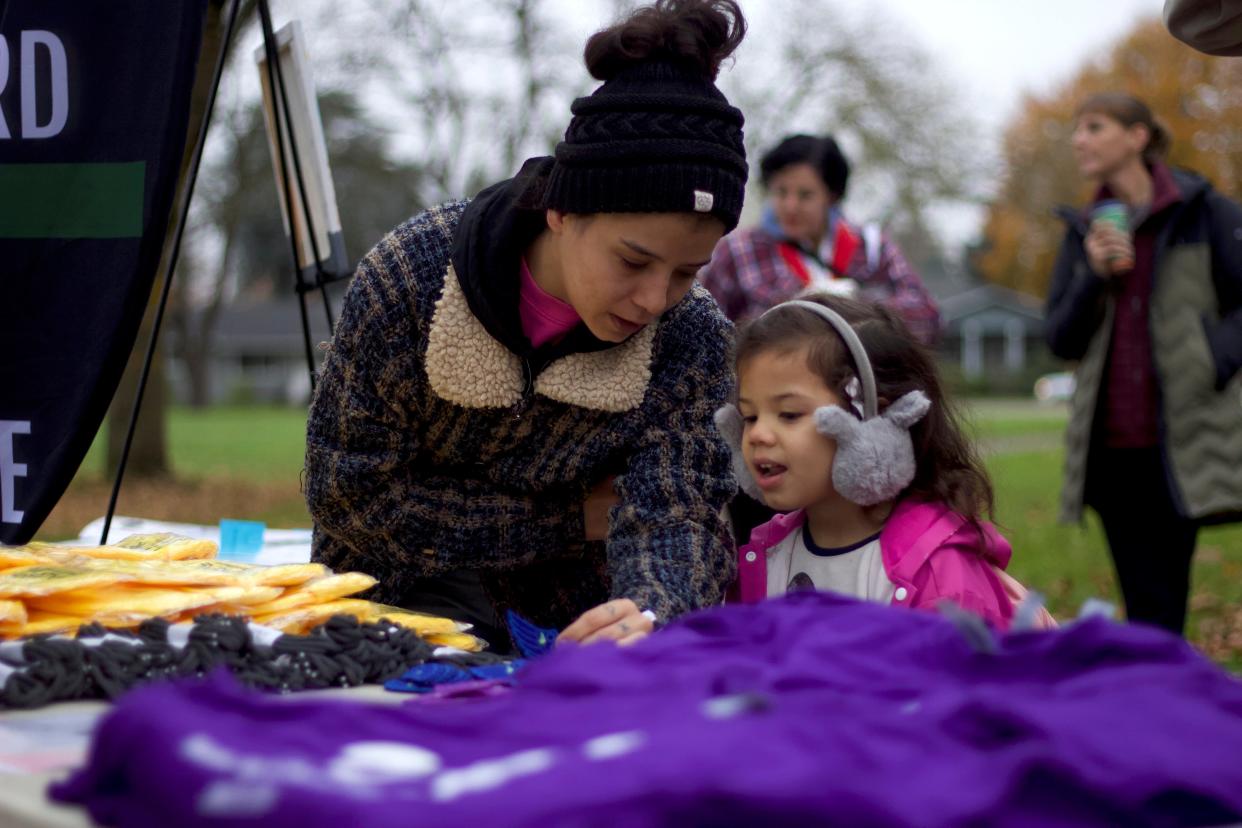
(875, 455)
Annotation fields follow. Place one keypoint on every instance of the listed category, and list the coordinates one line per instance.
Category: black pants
(459, 595)
(1151, 544)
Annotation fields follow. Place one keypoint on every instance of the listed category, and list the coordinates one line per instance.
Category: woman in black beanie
(516, 411)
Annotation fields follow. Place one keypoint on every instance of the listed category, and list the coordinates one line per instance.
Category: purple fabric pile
(805, 710)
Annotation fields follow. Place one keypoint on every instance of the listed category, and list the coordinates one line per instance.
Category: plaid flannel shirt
(747, 275)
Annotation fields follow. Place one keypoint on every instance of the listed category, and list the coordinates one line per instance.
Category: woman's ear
(1140, 137)
(556, 220)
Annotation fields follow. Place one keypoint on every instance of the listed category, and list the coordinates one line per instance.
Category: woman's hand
(620, 621)
(595, 508)
(1109, 251)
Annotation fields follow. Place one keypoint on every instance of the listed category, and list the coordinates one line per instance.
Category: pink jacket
(930, 553)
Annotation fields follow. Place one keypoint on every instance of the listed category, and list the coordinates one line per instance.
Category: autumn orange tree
(1199, 98)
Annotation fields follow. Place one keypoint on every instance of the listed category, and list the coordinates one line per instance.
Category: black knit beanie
(657, 137)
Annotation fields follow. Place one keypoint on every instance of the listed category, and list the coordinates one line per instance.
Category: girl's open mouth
(769, 475)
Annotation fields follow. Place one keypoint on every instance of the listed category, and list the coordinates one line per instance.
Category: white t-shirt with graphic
(856, 570)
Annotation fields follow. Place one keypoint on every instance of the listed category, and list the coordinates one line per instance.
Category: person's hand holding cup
(1110, 249)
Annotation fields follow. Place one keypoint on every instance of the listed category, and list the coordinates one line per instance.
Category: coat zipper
(528, 390)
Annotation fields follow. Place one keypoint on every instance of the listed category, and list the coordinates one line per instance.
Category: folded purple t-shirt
(808, 709)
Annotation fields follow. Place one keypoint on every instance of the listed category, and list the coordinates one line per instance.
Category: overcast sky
(997, 49)
(992, 51)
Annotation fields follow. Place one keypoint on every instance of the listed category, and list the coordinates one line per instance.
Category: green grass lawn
(255, 443)
(245, 463)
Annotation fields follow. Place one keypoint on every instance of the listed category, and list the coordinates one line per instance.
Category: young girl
(842, 424)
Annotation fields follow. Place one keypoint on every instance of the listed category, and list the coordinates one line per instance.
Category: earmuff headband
(846, 331)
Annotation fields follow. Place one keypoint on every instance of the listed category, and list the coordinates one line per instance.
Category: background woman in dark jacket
(1153, 315)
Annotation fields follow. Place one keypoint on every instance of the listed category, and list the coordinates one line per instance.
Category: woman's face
(621, 271)
(1103, 145)
(801, 201)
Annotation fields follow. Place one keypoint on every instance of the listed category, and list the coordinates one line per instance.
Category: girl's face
(790, 460)
(621, 271)
(801, 201)
(1103, 145)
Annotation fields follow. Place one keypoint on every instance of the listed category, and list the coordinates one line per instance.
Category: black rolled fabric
(102, 663)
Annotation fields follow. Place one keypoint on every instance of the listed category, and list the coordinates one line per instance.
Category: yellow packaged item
(418, 622)
(257, 595)
(443, 632)
(171, 546)
(12, 612)
(172, 573)
(319, 590)
(40, 623)
(303, 619)
(117, 553)
(244, 603)
(71, 554)
(122, 604)
(161, 546)
(212, 571)
(39, 580)
(285, 575)
(462, 641)
(11, 556)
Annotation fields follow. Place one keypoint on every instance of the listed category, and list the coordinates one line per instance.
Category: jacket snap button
(900, 594)
(750, 556)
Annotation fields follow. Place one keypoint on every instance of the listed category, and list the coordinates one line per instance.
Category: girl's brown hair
(948, 470)
(1129, 111)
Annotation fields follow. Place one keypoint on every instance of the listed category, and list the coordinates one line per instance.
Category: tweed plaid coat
(431, 447)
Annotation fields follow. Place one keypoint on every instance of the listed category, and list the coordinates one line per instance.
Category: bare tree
(239, 219)
(912, 142)
(484, 84)
(148, 454)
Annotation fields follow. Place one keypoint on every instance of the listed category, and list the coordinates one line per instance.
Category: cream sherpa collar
(467, 366)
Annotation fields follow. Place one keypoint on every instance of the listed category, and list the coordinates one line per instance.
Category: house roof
(988, 297)
(272, 327)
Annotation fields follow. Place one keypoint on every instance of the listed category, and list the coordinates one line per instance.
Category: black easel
(322, 278)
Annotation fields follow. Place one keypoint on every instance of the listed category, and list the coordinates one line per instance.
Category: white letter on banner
(9, 470)
(4, 81)
(60, 84)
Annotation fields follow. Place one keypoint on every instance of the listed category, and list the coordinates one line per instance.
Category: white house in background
(259, 352)
(991, 330)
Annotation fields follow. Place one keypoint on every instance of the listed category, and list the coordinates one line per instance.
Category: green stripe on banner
(71, 201)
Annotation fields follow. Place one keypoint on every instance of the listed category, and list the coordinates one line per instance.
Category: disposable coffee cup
(1115, 213)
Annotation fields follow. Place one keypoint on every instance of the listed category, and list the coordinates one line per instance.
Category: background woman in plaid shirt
(804, 242)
